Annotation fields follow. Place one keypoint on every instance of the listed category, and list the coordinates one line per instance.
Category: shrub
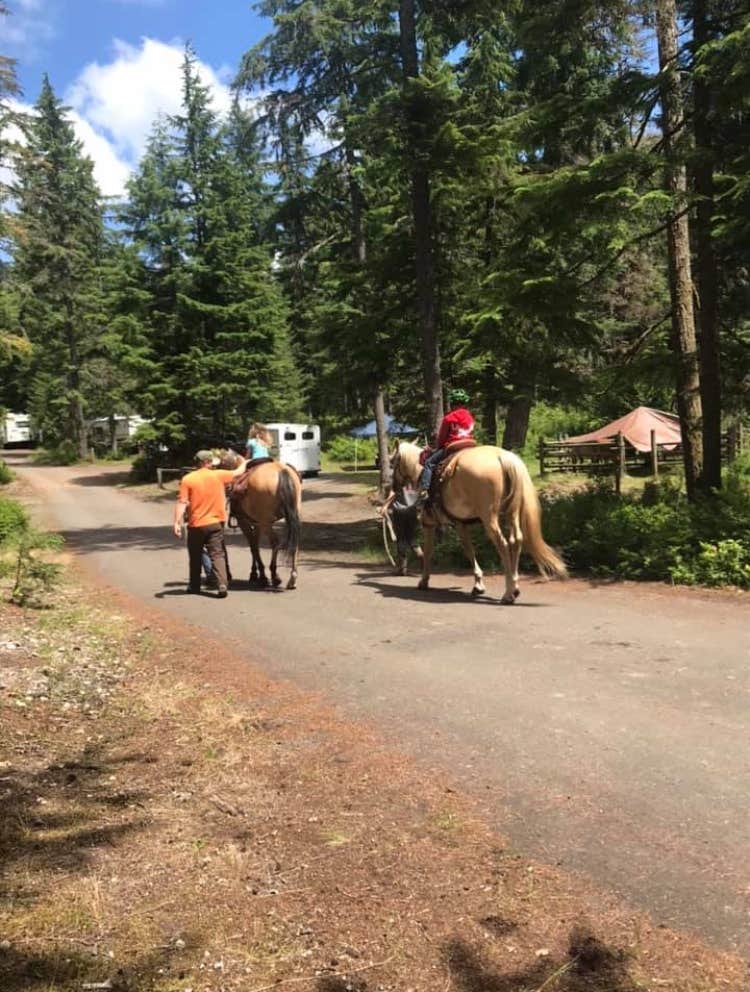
(341, 448)
(64, 453)
(33, 577)
(6, 475)
(655, 535)
(13, 519)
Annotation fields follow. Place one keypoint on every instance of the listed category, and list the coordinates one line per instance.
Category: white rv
(297, 445)
(15, 430)
(125, 428)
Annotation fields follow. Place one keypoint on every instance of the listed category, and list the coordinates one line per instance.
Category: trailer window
(308, 436)
(290, 436)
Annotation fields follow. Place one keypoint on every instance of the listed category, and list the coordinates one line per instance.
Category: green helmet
(457, 397)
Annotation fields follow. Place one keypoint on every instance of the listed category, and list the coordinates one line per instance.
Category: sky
(116, 63)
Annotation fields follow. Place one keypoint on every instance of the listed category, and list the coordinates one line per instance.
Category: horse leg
(515, 539)
(292, 583)
(495, 534)
(468, 545)
(257, 572)
(428, 538)
(249, 531)
(274, 539)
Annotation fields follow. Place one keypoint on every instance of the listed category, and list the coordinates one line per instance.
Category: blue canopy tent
(394, 428)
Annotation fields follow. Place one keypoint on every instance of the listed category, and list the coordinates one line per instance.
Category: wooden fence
(617, 456)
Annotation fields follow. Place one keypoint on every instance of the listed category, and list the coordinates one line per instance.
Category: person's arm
(180, 510)
(384, 508)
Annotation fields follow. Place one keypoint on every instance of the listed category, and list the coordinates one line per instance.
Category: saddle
(444, 471)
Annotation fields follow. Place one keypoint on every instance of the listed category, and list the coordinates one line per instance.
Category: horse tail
(287, 497)
(523, 500)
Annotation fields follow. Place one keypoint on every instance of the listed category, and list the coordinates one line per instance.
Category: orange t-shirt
(203, 491)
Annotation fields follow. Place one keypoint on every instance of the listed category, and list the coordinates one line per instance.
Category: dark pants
(429, 467)
(212, 539)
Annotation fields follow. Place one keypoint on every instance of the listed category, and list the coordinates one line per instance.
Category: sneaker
(222, 594)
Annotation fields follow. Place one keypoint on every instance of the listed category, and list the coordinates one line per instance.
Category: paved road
(605, 729)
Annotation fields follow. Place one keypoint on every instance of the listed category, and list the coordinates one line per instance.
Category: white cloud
(122, 98)
(29, 25)
(110, 172)
(115, 104)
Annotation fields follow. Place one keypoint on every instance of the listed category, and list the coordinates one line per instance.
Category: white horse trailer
(297, 445)
(15, 430)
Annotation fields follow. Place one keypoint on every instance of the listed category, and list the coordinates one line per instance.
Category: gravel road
(604, 728)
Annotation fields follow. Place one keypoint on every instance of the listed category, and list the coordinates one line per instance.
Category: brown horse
(271, 491)
(490, 486)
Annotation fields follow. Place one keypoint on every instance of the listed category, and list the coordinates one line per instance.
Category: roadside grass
(173, 821)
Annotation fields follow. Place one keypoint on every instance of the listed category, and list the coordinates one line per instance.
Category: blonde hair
(261, 432)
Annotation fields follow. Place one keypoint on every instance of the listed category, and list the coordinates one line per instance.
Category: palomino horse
(271, 491)
(488, 485)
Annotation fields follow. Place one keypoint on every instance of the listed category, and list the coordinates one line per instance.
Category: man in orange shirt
(202, 496)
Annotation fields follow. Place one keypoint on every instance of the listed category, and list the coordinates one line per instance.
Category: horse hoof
(423, 584)
(291, 584)
(478, 591)
(516, 593)
(276, 581)
(507, 600)
(263, 582)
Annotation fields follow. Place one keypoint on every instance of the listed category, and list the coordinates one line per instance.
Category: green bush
(656, 534)
(341, 448)
(6, 475)
(550, 421)
(13, 519)
(64, 453)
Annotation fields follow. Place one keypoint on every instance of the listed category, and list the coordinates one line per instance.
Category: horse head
(227, 458)
(405, 464)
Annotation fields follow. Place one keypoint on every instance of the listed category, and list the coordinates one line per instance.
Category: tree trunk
(706, 275)
(357, 200)
(113, 434)
(384, 460)
(489, 411)
(678, 246)
(517, 421)
(77, 424)
(425, 269)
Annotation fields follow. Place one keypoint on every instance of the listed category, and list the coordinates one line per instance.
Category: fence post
(620, 464)
(541, 456)
(654, 456)
(160, 478)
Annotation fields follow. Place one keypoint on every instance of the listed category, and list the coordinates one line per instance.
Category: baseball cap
(204, 455)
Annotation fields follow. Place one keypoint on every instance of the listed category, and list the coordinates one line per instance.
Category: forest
(546, 204)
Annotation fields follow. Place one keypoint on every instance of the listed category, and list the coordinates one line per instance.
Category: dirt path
(604, 729)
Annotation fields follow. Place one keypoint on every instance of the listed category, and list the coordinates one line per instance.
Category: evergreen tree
(218, 329)
(57, 241)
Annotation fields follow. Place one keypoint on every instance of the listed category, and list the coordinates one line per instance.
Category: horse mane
(407, 458)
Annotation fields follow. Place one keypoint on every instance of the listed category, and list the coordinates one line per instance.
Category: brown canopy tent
(636, 428)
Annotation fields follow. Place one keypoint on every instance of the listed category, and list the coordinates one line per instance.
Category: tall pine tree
(57, 236)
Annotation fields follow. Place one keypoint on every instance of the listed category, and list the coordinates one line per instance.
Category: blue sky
(116, 62)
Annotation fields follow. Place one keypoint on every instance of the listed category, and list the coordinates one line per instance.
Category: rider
(258, 442)
(456, 425)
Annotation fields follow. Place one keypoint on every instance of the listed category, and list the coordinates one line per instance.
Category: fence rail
(615, 457)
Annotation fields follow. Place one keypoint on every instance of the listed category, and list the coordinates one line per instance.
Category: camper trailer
(125, 428)
(297, 445)
(15, 430)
